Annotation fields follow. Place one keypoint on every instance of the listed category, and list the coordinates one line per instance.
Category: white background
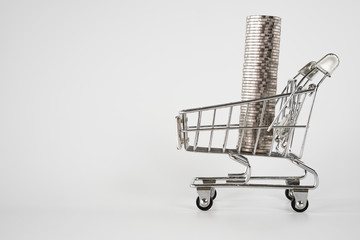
(88, 95)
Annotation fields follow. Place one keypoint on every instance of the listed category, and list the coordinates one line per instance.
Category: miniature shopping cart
(289, 130)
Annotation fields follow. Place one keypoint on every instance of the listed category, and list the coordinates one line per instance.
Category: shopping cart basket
(289, 129)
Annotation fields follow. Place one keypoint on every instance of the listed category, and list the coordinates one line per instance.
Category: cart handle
(328, 64)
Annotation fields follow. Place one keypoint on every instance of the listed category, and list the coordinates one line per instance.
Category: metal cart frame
(289, 103)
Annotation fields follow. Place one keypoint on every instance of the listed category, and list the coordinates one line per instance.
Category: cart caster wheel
(215, 194)
(289, 194)
(204, 205)
(299, 207)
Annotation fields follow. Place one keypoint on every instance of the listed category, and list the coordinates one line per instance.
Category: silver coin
(261, 76)
(264, 27)
(270, 64)
(259, 79)
(261, 56)
(254, 96)
(256, 78)
(257, 50)
(263, 18)
(261, 53)
(254, 82)
(260, 66)
(262, 34)
(262, 63)
(252, 69)
(264, 22)
(251, 66)
(260, 17)
(253, 109)
(262, 41)
(262, 44)
(247, 95)
(262, 30)
(254, 116)
(260, 59)
(256, 93)
(258, 88)
(248, 82)
(251, 59)
(261, 47)
(259, 70)
(248, 91)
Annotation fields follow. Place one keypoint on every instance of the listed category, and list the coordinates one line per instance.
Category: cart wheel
(215, 194)
(204, 205)
(299, 207)
(289, 194)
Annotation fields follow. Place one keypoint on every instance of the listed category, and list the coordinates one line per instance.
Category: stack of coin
(262, 47)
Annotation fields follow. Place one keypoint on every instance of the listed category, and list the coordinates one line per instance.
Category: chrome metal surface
(179, 134)
(204, 195)
(301, 198)
(267, 125)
